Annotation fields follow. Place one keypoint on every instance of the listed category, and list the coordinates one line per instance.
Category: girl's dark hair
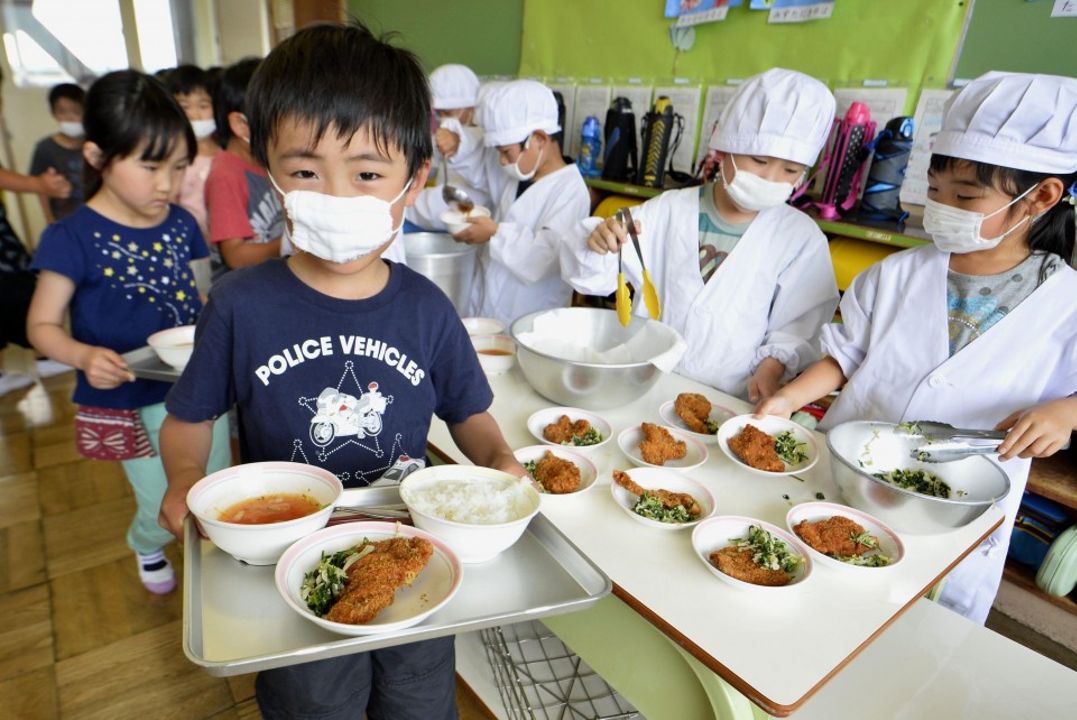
(343, 77)
(230, 95)
(185, 79)
(1052, 232)
(68, 91)
(127, 110)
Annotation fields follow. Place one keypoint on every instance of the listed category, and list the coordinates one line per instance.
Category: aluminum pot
(448, 264)
(860, 449)
(591, 385)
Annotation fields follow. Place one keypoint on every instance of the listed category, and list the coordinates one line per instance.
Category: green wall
(482, 34)
(908, 42)
(1018, 37)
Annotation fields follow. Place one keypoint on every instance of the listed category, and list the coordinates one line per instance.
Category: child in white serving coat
(744, 277)
(979, 329)
(540, 199)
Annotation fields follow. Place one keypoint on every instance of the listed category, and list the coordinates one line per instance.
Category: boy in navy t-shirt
(335, 357)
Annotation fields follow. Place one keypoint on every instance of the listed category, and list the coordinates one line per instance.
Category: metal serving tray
(145, 364)
(234, 621)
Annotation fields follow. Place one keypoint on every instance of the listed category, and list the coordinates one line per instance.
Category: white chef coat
(768, 298)
(893, 346)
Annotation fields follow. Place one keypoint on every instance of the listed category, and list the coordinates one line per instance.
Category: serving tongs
(623, 300)
(945, 443)
(650, 295)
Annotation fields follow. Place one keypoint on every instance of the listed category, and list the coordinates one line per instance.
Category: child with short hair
(190, 85)
(246, 221)
(121, 265)
(371, 343)
(62, 150)
(978, 329)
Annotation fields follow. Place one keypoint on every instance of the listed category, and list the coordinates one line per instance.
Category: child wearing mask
(348, 151)
(744, 277)
(978, 329)
(190, 85)
(62, 151)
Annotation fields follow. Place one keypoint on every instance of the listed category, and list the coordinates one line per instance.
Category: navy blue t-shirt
(348, 385)
(129, 283)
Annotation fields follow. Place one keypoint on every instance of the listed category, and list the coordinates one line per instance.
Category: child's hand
(610, 236)
(53, 184)
(105, 369)
(173, 512)
(447, 141)
(777, 404)
(1039, 431)
(766, 380)
(480, 230)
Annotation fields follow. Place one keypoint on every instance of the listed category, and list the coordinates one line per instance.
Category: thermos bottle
(590, 147)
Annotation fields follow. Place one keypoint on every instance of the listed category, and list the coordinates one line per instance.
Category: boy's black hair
(1052, 232)
(230, 95)
(185, 79)
(342, 76)
(67, 91)
(126, 110)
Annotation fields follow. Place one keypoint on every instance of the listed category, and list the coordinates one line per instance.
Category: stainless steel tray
(234, 621)
(145, 364)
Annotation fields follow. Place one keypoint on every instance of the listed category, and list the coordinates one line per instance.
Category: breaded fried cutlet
(658, 446)
(833, 536)
(667, 498)
(557, 475)
(374, 578)
(756, 448)
(694, 410)
(564, 430)
(737, 562)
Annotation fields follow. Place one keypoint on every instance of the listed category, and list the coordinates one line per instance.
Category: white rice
(476, 501)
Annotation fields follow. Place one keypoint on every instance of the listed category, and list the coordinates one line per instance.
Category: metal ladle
(453, 196)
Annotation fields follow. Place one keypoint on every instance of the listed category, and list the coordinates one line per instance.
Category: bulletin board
(1018, 36)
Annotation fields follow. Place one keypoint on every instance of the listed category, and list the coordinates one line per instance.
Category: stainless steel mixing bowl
(860, 449)
(589, 385)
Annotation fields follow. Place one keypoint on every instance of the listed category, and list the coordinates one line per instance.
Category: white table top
(777, 651)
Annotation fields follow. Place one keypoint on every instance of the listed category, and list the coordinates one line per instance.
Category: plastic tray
(145, 364)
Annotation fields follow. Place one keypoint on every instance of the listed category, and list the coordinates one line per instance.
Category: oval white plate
(630, 439)
(665, 479)
(588, 470)
(541, 418)
(772, 425)
(716, 533)
(889, 541)
(719, 414)
(434, 586)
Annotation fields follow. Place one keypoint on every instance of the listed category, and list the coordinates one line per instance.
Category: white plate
(540, 419)
(588, 471)
(719, 414)
(889, 542)
(716, 533)
(772, 425)
(661, 478)
(434, 587)
(630, 439)
(483, 326)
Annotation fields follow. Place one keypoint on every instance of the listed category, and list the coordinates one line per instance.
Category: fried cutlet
(564, 429)
(667, 498)
(557, 475)
(658, 445)
(737, 562)
(374, 579)
(694, 410)
(756, 448)
(833, 536)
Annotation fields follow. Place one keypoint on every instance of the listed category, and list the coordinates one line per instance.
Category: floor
(79, 636)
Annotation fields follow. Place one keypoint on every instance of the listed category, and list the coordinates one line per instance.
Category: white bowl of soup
(174, 345)
(497, 353)
(254, 512)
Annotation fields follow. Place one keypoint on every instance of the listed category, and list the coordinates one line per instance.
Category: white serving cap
(514, 110)
(453, 87)
(779, 113)
(1014, 120)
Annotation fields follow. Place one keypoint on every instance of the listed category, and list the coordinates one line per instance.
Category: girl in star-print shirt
(121, 267)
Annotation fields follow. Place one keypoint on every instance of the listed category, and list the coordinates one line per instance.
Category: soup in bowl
(255, 511)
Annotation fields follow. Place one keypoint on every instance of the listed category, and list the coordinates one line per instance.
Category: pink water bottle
(847, 151)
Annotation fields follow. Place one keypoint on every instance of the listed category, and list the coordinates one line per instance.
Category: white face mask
(71, 129)
(203, 128)
(339, 229)
(954, 230)
(752, 193)
(513, 169)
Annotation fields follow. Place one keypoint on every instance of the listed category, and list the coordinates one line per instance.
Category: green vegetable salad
(650, 507)
(323, 585)
(920, 481)
(789, 448)
(591, 437)
(768, 551)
